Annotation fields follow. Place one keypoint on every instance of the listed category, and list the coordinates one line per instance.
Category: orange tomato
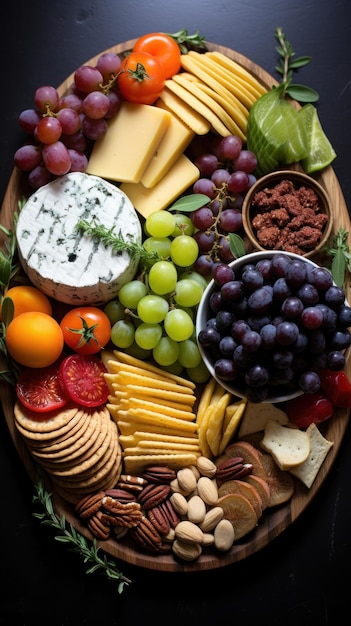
(164, 48)
(26, 298)
(34, 339)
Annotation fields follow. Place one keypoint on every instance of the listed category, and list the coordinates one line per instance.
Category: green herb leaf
(190, 203)
(340, 253)
(188, 42)
(7, 310)
(299, 62)
(237, 246)
(338, 268)
(301, 93)
(5, 272)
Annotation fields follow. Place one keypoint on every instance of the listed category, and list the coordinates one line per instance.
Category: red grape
(56, 158)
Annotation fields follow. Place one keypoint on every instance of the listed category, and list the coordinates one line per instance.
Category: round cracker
(76, 466)
(97, 478)
(64, 423)
(73, 497)
(89, 476)
(57, 447)
(79, 446)
(43, 422)
(53, 465)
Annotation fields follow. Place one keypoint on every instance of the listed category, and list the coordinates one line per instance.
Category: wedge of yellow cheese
(178, 178)
(176, 139)
(132, 138)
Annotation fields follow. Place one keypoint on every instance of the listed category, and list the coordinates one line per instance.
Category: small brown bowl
(267, 241)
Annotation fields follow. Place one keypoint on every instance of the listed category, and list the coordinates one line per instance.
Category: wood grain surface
(274, 521)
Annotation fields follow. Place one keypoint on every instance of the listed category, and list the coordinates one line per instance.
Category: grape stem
(222, 195)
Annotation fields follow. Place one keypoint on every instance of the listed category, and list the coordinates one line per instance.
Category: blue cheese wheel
(65, 264)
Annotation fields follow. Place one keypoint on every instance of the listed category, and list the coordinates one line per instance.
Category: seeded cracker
(319, 448)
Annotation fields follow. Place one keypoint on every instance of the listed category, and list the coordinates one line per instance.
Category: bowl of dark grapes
(268, 322)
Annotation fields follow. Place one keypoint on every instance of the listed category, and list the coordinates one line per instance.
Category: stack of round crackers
(79, 448)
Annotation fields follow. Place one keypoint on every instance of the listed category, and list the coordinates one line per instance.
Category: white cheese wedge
(66, 265)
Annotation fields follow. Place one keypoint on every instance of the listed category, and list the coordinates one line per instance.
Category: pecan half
(170, 512)
(131, 483)
(159, 474)
(233, 467)
(122, 495)
(117, 513)
(159, 519)
(89, 505)
(98, 527)
(146, 536)
(153, 495)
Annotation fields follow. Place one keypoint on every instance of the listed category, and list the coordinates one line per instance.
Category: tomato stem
(139, 73)
(86, 332)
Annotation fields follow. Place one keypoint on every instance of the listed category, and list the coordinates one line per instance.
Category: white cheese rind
(66, 265)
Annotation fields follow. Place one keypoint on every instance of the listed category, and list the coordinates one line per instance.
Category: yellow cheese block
(132, 138)
(173, 144)
(178, 178)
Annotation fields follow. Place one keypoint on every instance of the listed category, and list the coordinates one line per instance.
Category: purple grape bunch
(273, 324)
(226, 174)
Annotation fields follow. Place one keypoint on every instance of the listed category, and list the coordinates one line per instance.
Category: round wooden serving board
(274, 521)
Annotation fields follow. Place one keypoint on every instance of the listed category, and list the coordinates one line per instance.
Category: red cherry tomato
(308, 408)
(82, 377)
(337, 387)
(39, 389)
(86, 329)
(141, 78)
(164, 48)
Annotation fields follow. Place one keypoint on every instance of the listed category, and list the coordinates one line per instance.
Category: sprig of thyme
(108, 238)
(79, 544)
(287, 65)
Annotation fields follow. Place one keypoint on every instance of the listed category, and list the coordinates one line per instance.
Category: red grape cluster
(226, 174)
(61, 129)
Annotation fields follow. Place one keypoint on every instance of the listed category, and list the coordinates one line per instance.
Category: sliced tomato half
(39, 389)
(82, 377)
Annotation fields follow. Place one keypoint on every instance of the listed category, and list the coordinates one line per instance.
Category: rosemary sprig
(68, 534)
(9, 267)
(109, 239)
(188, 42)
(287, 65)
(341, 256)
